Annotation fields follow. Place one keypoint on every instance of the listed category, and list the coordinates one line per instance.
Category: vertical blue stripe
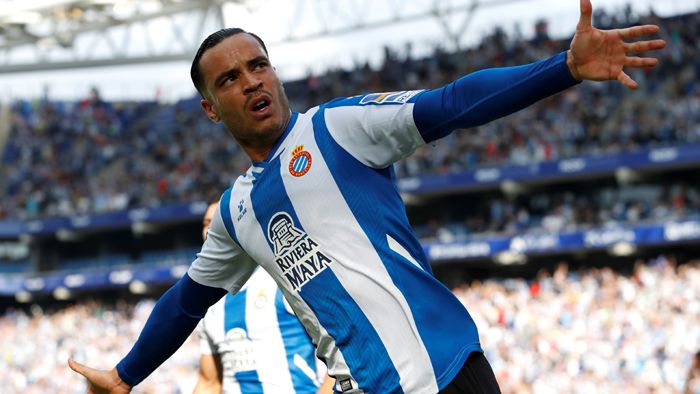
(225, 210)
(448, 332)
(249, 382)
(269, 197)
(360, 344)
(234, 317)
(234, 311)
(296, 341)
(337, 312)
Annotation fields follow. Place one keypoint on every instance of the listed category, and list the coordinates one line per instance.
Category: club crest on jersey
(301, 161)
(296, 254)
(260, 300)
(389, 97)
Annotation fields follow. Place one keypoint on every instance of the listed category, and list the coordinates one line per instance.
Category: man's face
(206, 221)
(243, 91)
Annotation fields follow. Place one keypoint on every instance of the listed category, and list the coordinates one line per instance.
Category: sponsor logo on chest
(296, 254)
(237, 352)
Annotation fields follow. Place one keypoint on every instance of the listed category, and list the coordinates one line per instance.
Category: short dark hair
(210, 42)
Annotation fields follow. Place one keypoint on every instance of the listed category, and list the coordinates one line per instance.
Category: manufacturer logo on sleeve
(301, 161)
(241, 211)
(296, 254)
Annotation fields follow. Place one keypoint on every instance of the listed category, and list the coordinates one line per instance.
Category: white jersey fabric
(262, 345)
(323, 217)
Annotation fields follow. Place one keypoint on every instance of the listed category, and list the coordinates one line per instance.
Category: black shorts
(475, 377)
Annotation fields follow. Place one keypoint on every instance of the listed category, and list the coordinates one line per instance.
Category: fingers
(643, 46)
(637, 31)
(584, 21)
(641, 62)
(626, 80)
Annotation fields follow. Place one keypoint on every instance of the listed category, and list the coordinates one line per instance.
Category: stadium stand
(591, 331)
(37, 342)
(584, 331)
(114, 156)
(109, 195)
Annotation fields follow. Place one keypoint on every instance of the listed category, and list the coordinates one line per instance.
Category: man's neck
(263, 151)
(258, 154)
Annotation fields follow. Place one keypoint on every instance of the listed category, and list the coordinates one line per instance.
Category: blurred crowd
(96, 156)
(555, 211)
(593, 331)
(593, 118)
(35, 347)
(589, 331)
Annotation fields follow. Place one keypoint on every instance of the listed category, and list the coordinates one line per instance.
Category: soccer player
(319, 211)
(692, 382)
(251, 342)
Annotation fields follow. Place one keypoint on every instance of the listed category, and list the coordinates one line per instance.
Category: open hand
(601, 55)
(100, 381)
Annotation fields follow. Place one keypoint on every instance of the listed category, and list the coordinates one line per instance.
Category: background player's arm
(210, 374)
(326, 386)
(209, 380)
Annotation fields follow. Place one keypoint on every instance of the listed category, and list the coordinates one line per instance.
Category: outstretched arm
(173, 318)
(483, 96)
(221, 266)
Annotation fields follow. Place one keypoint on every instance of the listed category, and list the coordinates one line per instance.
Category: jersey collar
(290, 126)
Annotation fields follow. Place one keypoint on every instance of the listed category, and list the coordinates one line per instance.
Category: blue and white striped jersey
(262, 345)
(323, 217)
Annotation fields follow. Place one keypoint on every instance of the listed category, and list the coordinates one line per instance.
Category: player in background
(319, 211)
(692, 382)
(251, 342)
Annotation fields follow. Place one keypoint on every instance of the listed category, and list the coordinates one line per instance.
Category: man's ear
(209, 109)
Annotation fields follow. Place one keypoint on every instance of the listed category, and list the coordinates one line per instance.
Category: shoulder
(369, 99)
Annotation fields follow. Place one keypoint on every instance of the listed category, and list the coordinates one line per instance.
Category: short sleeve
(221, 262)
(377, 129)
(206, 345)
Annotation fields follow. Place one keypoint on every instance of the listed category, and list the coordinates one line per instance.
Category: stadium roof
(153, 41)
(50, 34)
(60, 34)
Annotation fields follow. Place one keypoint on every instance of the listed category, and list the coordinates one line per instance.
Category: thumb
(77, 367)
(88, 373)
(100, 381)
(584, 21)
